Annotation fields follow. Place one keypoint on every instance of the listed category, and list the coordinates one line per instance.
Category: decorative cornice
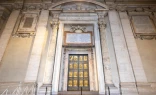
(120, 6)
(135, 8)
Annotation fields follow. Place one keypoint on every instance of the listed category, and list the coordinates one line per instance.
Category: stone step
(78, 93)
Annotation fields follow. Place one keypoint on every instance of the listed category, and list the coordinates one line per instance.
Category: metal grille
(78, 73)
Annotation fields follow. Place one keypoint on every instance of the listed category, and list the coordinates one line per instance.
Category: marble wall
(14, 63)
(147, 50)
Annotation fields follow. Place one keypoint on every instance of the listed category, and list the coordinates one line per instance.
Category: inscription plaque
(28, 23)
(78, 38)
(143, 24)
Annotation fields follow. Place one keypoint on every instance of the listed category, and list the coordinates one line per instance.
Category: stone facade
(37, 37)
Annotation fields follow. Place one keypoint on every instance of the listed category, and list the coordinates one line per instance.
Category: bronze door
(78, 72)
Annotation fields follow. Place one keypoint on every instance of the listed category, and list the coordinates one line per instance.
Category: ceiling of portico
(54, 1)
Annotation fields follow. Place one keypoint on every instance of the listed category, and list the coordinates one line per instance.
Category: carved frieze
(78, 7)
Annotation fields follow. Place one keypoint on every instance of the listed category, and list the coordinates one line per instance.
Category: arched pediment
(93, 2)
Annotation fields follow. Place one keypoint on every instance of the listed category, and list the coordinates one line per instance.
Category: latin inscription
(78, 38)
(143, 24)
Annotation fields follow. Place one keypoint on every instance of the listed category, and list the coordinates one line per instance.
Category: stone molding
(79, 16)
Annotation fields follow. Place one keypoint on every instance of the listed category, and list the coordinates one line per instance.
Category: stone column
(105, 54)
(35, 56)
(100, 69)
(51, 50)
(123, 60)
(126, 73)
(132, 47)
(9, 27)
(57, 63)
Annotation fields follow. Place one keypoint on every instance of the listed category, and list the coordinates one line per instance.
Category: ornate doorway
(78, 72)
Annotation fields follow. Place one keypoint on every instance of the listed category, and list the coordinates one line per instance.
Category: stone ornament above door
(78, 6)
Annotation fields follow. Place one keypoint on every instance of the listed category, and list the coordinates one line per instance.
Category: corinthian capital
(54, 23)
(102, 24)
(101, 16)
(101, 13)
(55, 18)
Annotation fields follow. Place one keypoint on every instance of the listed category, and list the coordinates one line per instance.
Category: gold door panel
(78, 75)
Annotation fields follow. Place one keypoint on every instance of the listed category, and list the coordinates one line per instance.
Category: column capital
(102, 24)
(55, 18)
(101, 13)
(54, 23)
(101, 17)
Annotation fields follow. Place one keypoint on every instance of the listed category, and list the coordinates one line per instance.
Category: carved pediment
(78, 5)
